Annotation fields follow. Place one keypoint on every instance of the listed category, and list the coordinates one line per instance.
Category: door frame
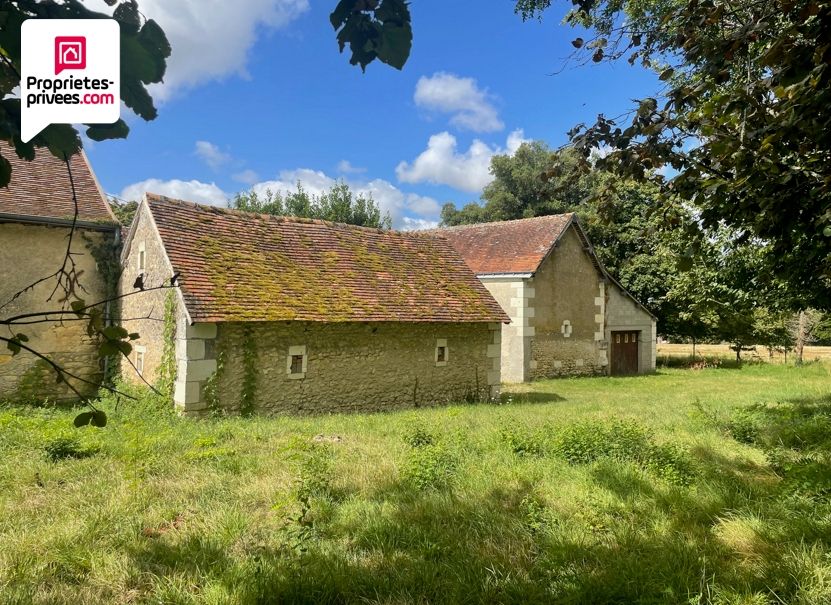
(638, 342)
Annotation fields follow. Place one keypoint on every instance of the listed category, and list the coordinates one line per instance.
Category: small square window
(442, 355)
(296, 362)
(140, 351)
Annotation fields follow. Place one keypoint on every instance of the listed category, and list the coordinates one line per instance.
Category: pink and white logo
(70, 73)
(70, 53)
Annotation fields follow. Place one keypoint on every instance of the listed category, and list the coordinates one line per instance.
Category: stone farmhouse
(568, 315)
(299, 315)
(36, 217)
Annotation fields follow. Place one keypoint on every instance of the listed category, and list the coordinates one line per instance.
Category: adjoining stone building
(568, 315)
(36, 217)
(297, 315)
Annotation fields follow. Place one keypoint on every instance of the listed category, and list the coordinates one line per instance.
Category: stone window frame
(141, 355)
(566, 329)
(441, 343)
(142, 257)
(296, 351)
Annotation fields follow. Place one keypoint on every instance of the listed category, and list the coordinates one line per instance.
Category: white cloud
(346, 167)
(211, 39)
(248, 176)
(211, 154)
(417, 224)
(192, 191)
(442, 164)
(469, 105)
(400, 205)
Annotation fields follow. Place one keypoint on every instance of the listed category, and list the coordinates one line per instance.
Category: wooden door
(624, 353)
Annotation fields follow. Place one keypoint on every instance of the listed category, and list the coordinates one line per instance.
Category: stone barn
(36, 217)
(303, 316)
(568, 315)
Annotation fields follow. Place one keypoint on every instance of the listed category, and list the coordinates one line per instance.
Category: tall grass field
(695, 486)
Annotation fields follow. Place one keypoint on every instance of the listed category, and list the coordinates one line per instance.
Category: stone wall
(623, 313)
(143, 312)
(28, 253)
(347, 366)
(516, 297)
(568, 313)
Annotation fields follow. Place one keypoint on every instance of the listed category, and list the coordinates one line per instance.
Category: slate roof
(240, 266)
(517, 246)
(41, 188)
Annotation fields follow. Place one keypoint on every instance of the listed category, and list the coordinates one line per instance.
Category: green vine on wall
(249, 372)
(167, 366)
(106, 251)
(211, 388)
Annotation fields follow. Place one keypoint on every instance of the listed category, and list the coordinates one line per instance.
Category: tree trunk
(693, 348)
(738, 353)
(801, 337)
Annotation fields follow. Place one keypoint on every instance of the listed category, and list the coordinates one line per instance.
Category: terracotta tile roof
(507, 247)
(40, 188)
(239, 266)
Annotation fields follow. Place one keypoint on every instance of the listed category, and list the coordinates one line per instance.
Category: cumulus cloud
(346, 167)
(417, 224)
(212, 155)
(400, 205)
(442, 163)
(248, 176)
(192, 191)
(470, 107)
(211, 39)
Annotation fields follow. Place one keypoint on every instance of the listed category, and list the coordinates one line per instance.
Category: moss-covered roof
(239, 266)
(41, 188)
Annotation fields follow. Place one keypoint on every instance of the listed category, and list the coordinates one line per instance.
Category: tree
(744, 119)
(626, 233)
(144, 53)
(805, 327)
(338, 204)
(124, 211)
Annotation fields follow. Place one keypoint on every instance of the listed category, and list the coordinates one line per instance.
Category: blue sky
(258, 95)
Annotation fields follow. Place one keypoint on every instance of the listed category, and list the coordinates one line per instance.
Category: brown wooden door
(624, 353)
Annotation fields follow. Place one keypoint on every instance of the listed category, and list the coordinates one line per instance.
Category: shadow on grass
(635, 540)
(530, 397)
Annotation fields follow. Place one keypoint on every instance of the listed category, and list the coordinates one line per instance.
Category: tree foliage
(374, 29)
(339, 204)
(743, 120)
(144, 53)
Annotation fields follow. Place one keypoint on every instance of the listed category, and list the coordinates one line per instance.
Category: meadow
(688, 486)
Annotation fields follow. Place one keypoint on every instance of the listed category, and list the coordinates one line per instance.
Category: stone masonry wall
(28, 253)
(352, 366)
(143, 312)
(568, 314)
(516, 297)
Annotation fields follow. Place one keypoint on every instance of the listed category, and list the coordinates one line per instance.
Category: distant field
(685, 350)
(708, 487)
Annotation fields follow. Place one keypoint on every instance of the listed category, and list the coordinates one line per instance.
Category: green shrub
(429, 467)
(62, 447)
(625, 441)
(523, 441)
(418, 435)
(743, 426)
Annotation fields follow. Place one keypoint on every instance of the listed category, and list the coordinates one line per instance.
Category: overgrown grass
(709, 486)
